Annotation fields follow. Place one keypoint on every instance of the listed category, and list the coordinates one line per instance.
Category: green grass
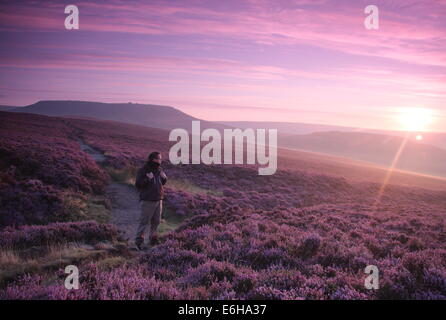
(110, 263)
(125, 175)
(98, 209)
(46, 260)
(81, 208)
(188, 186)
(170, 220)
(14, 263)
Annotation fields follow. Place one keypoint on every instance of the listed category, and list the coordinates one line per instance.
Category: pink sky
(302, 61)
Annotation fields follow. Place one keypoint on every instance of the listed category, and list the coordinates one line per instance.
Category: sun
(415, 119)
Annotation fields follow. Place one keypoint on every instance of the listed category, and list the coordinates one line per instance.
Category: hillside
(150, 115)
(287, 129)
(43, 172)
(373, 146)
(380, 149)
(306, 232)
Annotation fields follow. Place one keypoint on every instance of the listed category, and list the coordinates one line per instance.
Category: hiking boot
(139, 245)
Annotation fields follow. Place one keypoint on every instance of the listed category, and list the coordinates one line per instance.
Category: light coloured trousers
(150, 219)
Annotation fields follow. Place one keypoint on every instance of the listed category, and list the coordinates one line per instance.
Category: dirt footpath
(125, 208)
(124, 199)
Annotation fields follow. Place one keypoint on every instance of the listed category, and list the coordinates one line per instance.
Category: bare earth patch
(125, 208)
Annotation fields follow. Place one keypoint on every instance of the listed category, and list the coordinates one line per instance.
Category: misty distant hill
(150, 115)
(427, 156)
(437, 139)
(380, 149)
(286, 128)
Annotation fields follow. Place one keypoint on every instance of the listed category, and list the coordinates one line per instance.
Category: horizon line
(225, 121)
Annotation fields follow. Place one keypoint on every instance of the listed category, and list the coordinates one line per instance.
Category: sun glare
(416, 119)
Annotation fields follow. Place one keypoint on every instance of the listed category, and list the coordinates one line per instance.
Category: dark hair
(154, 155)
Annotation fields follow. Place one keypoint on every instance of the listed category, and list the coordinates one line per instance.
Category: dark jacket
(150, 189)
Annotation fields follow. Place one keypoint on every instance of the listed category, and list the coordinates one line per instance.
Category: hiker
(150, 181)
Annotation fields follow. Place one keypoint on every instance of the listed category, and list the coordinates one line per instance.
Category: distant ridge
(287, 127)
(415, 156)
(437, 139)
(156, 116)
(427, 156)
(6, 108)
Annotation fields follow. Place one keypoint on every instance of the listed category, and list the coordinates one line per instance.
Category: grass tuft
(188, 186)
(125, 175)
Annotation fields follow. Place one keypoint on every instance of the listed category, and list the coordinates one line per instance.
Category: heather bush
(279, 254)
(310, 246)
(29, 236)
(210, 272)
(122, 283)
(30, 202)
(41, 166)
(172, 257)
(54, 161)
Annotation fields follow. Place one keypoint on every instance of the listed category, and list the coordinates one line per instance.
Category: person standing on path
(150, 181)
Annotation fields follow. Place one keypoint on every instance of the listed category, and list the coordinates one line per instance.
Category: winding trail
(125, 208)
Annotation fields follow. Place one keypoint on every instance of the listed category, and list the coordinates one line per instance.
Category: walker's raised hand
(149, 175)
(163, 175)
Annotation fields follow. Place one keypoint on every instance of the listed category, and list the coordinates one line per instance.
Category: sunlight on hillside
(188, 186)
